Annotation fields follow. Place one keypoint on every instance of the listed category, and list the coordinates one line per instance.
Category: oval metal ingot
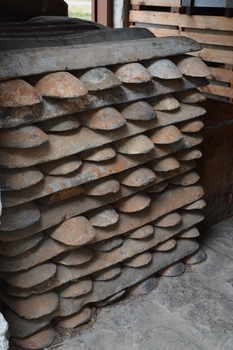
(98, 154)
(162, 68)
(165, 246)
(62, 166)
(107, 245)
(164, 164)
(195, 258)
(133, 73)
(107, 274)
(39, 340)
(173, 270)
(167, 135)
(17, 93)
(75, 257)
(17, 179)
(103, 217)
(99, 78)
(136, 177)
(17, 247)
(76, 319)
(185, 179)
(157, 187)
(76, 231)
(139, 110)
(192, 66)
(142, 232)
(169, 220)
(188, 154)
(107, 118)
(190, 233)
(191, 126)
(64, 123)
(23, 137)
(200, 204)
(75, 289)
(139, 144)
(190, 96)
(164, 103)
(134, 203)
(61, 85)
(102, 187)
(139, 260)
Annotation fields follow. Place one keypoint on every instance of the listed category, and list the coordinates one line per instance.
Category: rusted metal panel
(191, 126)
(171, 219)
(186, 179)
(139, 144)
(165, 164)
(107, 118)
(165, 246)
(75, 289)
(18, 247)
(99, 78)
(136, 177)
(102, 187)
(60, 124)
(61, 166)
(17, 92)
(98, 154)
(23, 137)
(103, 217)
(61, 85)
(162, 68)
(77, 256)
(190, 96)
(192, 66)
(139, 260)
(142, 232)
(188, 154)
(164, 103)
(107, 274)
(51, 59)
(140, 110)
(166, 135)
(15, 179)
(108, 245)
(200, 204)
(134, 203)
(133, 73)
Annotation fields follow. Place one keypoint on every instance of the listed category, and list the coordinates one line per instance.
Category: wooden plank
(160, 32)
(217, 90)
(181, 20)
(166, 3)
(212, 55)
(220, 74)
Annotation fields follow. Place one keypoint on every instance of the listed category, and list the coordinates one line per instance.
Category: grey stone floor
(193, 311)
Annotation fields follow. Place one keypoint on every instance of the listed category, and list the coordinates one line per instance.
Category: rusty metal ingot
(17, 92)
(108, 245)
(165, 246)
(60, 124)
(190, 96)
(103, 217)
(164, 103)
(17, 179)
(190, 233)
(157, 187)
(102, 187)
(139, 144)
(195, 258)
(107, 274)
(166, 135)
(139, 260)
(192, 66)
(17, 247)
(76, 319)
(134, 203)
(62, 166)
(171, 219)
(23, 137)
(162, 68)
(192, 126)
(185, 179)
(107, 118)
(133, 73)
(75, 289)
(76, 231)
(74, 257)
(165, 164)
(173, 270)
(136, 177)
(142, 232)
(61, 85)
(39, 340)
(98, 154)
(200, 204)
(188, 154)
(139, 110)
(99, 78)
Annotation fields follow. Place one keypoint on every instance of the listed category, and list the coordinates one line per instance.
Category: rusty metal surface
(133, 73)
(17, 92)
(107, 274)
(108, 245)
(32, 277)
(76, 231)
(17, 247)
(134, 203)
(60, 124)
(61, 85)
(103, 217)
(139, 110)
(107, 118)
(41, 339)
(162, 69)
(192, 66)
(34, 306)
(77, 256)
(171, 219)
(75, 289)
(142, 232)
(200, 204)
(192, 126)
(190, 233)
(102, 187)
(98, 154)
(15, 179)
(164, 246)
(185, 179)
(99, 78)
(173, 270)
(190, 96)
(164, 164)
(188, 154)
(164, 103)
(139, 144)
(61, 196)
(136, 177)
(23, 137)
(139, 260)
(166, 135)
(76, 319)
(19, 217)
(155, 188)
(61, 166)
(195, 258)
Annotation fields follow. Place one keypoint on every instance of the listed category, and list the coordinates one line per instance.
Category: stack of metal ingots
(98, 149)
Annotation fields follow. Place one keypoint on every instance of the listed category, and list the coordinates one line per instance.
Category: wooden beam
(224, 75)
(217, 90)
(166, 3)
(212, 55)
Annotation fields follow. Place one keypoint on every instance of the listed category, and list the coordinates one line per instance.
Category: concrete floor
(193, 311)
